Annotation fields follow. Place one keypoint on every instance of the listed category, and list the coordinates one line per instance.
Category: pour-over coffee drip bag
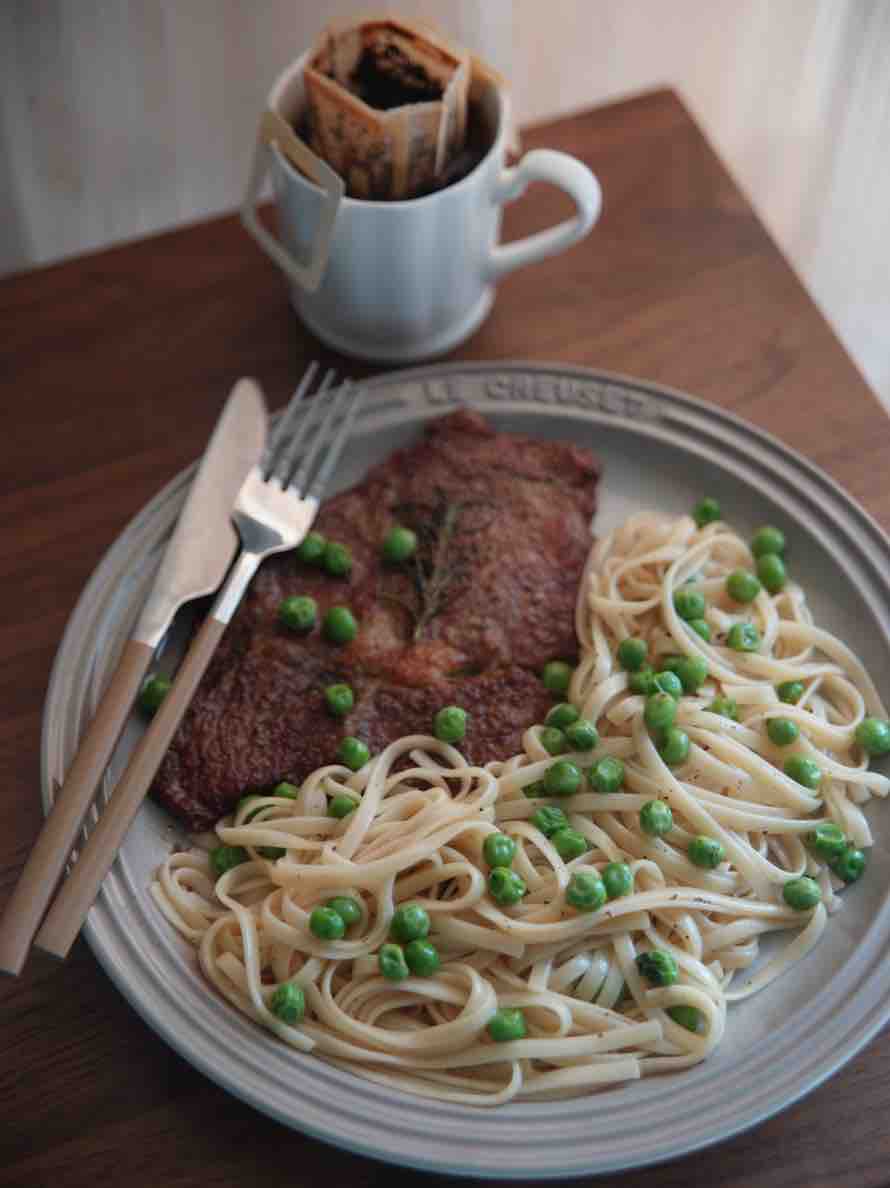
(386, 107)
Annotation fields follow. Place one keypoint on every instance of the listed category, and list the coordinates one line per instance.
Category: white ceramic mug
(406, 280)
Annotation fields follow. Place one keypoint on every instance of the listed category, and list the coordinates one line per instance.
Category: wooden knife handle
(76, 896)
(50, 853)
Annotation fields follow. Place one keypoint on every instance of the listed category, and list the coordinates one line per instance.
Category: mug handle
(570, 175)
(308, 276)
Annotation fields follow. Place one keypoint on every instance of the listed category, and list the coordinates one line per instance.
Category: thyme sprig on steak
(438, 568)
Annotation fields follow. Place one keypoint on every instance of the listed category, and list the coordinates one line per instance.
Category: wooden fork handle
(77, 893)
(50, 853)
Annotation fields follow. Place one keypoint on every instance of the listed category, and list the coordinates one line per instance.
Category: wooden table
(113, 371)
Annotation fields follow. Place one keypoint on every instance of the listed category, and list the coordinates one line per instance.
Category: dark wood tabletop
(113, 368)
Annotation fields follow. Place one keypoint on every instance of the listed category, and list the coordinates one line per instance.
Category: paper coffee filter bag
(401, 151)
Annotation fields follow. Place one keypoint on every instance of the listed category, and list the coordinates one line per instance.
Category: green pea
(353, 753)
(582, 735)
(242, 805)
(399, 545)
(827, 840)
(422, 958)
(618, 879)
(873, 735)
(506, 886)
(803, 771)
(701, 628)
(687, 1016)
(341, 806)
(668, 682)
(802, 894)
(273, 853)
(224, 858)
(450, 724)
(643, 680)
(288, 1003)
(340, 699)
(339, 625)
(534, 790)
(337, 559)
(790, 692)
(326, 924)
(705, 852)
(768, 540)
(848, 865)
(410, 922)
(244, 802)
(311, 549)
(670, 661)
(689, 604)
(569, 843)
(348, 909)
(693, 672)
(657, 966)
(498, 849)
(742, 586)
(706, 512)
(660, 711)
(557, 676)
(391, 963)
(606, 775)
(562, 715)
(724, 706)
(782, 731)
(743, 637)
(586, 891)
(300, 614)
(656, 818)
(674, 746)
(507, 1024)
(562, 778)
(286, 791)
(632, 654)
(553, 741)
(771, 571)
(549, 819)
(152, 694)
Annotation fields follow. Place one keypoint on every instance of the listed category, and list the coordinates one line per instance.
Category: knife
(195, 563)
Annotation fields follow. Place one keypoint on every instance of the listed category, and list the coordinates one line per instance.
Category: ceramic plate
(660, 449)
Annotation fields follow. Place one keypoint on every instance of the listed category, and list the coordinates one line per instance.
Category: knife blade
(195, 562)
(204, 541)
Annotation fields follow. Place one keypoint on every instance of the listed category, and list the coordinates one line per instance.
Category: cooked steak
(503, 527)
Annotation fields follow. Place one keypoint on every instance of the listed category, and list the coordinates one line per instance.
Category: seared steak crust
(503, 523)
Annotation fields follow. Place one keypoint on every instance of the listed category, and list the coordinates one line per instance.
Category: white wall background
(121, 117)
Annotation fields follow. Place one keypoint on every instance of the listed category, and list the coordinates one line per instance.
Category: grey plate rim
(850, 1016)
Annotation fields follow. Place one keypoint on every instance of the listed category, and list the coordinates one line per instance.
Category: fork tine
(284, 462)
(318, 484)
(319, 443)
(285, 421)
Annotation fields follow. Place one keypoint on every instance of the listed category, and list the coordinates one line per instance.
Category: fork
(274, 510)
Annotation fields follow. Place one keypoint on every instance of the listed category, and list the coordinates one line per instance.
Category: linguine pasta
(424, 812)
